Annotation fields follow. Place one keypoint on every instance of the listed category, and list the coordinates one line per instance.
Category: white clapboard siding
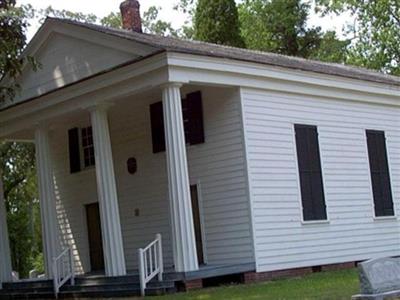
(217, 166)
(64, 59)
(282, 240)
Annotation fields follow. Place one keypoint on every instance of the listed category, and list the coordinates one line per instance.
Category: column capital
(101, 106)
(172, 85)
(43, 126)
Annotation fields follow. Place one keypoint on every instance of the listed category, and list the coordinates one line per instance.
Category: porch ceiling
(78, 112)
(132, 79)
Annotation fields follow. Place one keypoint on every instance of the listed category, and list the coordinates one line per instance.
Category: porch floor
(205, 271)
(98, 285)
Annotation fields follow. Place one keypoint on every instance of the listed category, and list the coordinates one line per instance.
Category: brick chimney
(130, 13)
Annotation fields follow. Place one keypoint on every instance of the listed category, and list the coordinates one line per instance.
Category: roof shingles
(208, 49)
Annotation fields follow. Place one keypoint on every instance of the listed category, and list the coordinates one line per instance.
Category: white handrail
(63, 270)
(150, 263)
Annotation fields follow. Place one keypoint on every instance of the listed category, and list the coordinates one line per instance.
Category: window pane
(88, 147)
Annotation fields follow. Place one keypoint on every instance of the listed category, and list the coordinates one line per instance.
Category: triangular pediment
(68, 54)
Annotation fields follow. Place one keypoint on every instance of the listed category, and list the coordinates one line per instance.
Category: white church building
(222, 160)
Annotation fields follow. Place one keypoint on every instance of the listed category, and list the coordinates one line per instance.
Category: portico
(183, 239)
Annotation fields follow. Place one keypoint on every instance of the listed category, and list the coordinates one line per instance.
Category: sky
(102, 8)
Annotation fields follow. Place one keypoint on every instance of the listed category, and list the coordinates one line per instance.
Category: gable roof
(207, 49)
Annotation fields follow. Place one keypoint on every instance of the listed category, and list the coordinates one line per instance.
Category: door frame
(86, 227)
(201, 213)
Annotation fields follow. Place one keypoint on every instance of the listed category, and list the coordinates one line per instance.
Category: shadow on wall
(66, 230)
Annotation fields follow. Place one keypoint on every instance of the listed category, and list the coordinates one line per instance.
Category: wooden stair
(86, 287)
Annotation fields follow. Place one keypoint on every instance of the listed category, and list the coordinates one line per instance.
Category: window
(309, 163)
(87, 147)
(380, 178)
(192, 113)
(81, 148)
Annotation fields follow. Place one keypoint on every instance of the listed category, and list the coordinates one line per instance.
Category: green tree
(17, 164)
(66, 14)
(279, 26)
(217, 21)
(13, 25)
(152, 23)
(375, 32)
(331, 49)
(112, 20)
(186, 8)
(17, 160)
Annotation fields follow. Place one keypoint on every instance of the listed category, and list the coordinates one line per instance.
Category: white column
(184, 243)
(5, 257)
(107, 192)
(51, 242)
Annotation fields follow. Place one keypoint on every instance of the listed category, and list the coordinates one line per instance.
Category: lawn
(325, 285)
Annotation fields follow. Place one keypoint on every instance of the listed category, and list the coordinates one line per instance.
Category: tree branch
(16, 183)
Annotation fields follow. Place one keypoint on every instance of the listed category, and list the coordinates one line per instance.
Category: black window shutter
(311, 183)
(378, 161)
(186, 118)
(195, 118)
(157, 127)
(74, 150)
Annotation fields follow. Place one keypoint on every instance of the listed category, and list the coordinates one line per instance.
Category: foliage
(152, 24)
(150, 21)
(17, 164)
(66, 14)
(38, 263)
(217, 21)
(331, 49)
(13, 25)
(325, 285)
(112, 20)
(281, 27)
(376, 40)
(186, 7)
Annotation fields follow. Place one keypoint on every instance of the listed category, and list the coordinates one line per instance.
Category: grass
(333, 285)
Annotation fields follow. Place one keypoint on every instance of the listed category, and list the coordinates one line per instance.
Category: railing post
(160, 258)
(55, 277)
(71, 257)
(142, 273)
